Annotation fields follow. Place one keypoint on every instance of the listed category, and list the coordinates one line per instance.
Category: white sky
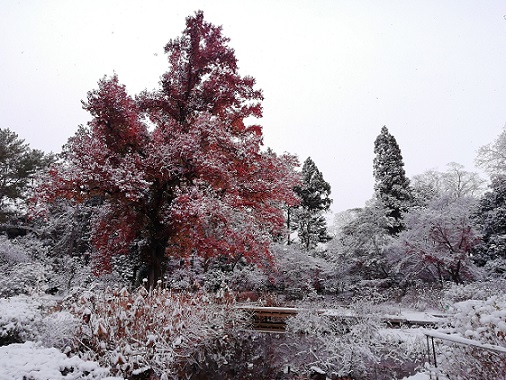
(333, 73)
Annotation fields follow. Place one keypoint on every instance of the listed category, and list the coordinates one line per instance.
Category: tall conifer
(314, 202)
(392, 187)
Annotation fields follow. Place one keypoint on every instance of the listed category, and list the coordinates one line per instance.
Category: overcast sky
(333, 73)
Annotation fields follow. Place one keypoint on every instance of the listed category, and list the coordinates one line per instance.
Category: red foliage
(115, 116)
(203, 78)
(197, 180)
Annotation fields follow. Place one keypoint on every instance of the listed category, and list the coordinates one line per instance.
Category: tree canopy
(455, 182)
(177, 169)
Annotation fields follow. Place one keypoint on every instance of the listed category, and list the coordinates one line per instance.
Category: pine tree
(392, 187)
(314, 202)
(18, 166)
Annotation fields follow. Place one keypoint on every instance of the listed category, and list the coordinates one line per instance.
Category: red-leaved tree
(177, 170)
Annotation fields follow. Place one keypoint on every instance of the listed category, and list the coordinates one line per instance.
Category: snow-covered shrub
(70, 273)
(359, 247)
(11, 253)
(160, 330)
(20, 318)
(23, 278)
(483, 321)
(57, 330)
(299, 273)
(474, 291)
(248, 278)
(26, 268)
(19, 274)
(351, 343)
(30, 361)
(241, 355)
(43, 274)
(332, 342)
(437, 243)
(237, 275)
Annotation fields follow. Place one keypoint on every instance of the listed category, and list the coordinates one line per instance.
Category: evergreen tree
(314, 202)
(491, 213)
(18, 164)
(391, 186)
(491, 218)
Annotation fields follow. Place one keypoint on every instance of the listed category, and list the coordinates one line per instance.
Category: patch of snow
(425, 376)
(140, 371)
(418, 376)
(317, 370)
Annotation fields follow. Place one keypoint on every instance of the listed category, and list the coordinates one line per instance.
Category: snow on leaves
(196, 180)
(160, 330)
(439, 241)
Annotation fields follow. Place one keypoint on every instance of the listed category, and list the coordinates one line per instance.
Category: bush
(353, 344)
(483, 321)
(242, 355)
(11, 253)
(26, 268)
(300, 274)
(20, 319)
(475, 290)
(164, 331)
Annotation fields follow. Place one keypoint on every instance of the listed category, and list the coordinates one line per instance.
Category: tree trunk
(288, 226)
(155, 259)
